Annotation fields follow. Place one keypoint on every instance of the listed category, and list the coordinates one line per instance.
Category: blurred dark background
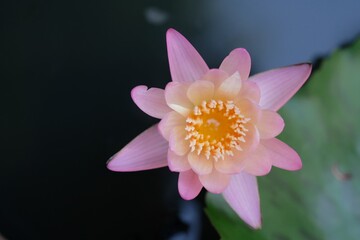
(67, 68)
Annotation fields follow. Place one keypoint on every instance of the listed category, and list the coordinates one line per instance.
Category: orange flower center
(215, 128)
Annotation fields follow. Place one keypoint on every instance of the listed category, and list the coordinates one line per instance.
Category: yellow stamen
(215, 128)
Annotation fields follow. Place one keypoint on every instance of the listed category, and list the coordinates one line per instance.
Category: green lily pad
(321, 201)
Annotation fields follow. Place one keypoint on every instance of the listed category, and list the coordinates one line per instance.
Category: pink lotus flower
(217, 128)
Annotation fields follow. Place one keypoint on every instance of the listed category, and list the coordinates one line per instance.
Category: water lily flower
(217, 128)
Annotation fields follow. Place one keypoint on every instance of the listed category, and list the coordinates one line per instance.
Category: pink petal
(252, 138)
(258, 163)
(176, 98)
(231, 164)
(251, 91)
(189, 185)
(186, 64)
(169, 122)
(229, 88)
(177, 142)
(200, 90)
(147, 151)
(151, 101)
(178, 163)
(249, 109)
(199, 164)
(277, 86)
(237, 61)
(281, 155)
(215, 182)
(243, 197)
(270, 124)
(216, 76)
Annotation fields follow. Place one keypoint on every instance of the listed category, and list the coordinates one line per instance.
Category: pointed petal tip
(255, 225)
(147, 151)
(310, 69)
(171, 31)
(171, 34)
(307, 70)
(282, 155)
(307, 64)
(108, 165)
(186, 64)
(278, 85)
(243, 197)
(111, 164)
(108, 161)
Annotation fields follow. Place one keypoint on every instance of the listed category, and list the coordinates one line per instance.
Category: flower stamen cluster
(216, 129)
